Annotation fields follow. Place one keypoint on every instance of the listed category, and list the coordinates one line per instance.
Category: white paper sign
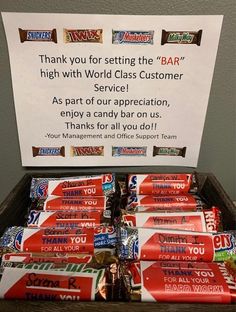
(111, 90)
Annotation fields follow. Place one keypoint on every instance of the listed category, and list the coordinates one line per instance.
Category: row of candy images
(138, 237)
(118, 36)
(117, 151)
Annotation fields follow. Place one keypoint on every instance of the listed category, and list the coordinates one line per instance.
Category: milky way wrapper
(83, 35)
(96, 185)
(169, 151)
(186, 202)
(181, 37)
(164, 244)
(52, 240)
(174, 281)
(47, 281)
(201, 221)
(38, 35)
(162, 184)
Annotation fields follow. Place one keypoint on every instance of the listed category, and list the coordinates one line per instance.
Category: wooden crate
(13, 211)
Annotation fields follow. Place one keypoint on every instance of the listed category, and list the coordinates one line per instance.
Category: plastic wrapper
(83, 281)
(51, 240)
(168, 203)
(205, 221)
(164, 244)
(162, 184)
(174, 281)
(96, 185)
(68, 219)
(56, 203)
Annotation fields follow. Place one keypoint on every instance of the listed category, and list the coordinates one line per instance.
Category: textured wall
(218, 150)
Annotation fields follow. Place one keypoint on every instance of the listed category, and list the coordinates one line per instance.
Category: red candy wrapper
(67, 219)
(202, 221)
(170, 203)
(179, 282)
(162, 184)
(97, 185)
(177, 245)
(54, 203)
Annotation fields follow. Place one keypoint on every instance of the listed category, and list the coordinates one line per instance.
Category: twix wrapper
(87, 151)
(83, 35)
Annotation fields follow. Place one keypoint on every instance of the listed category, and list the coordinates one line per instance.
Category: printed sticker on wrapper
(184, 282)
(44, 285)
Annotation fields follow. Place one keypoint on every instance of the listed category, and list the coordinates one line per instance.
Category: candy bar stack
(66, 250)
(170, 245)
(147, 237)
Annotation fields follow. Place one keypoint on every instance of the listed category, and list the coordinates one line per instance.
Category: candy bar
(181, 37)
(83, 35)
(67, 219)
(98, 185)
(56, 203)
(176, 281)
(87, 151)
(101, 257)
(165, 244)
(202, 221)
(132, 37)
(162, 184)
(169, 151)
(48, 151)
(171, 203)
(129, 151)
(52, 240)
(38, 35)
(80, 282)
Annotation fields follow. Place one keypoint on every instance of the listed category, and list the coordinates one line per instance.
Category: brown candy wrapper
(38, 35)
(181, 37)
(48, 151)
(83, 35)
(169, 151)
(87, 151)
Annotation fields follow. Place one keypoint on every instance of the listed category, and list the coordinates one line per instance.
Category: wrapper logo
(107, 178)
(132, 199)
(18, 240)
(133, 183)
(41, 189)
(223, 242)
(135, 249)
(33, 218)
